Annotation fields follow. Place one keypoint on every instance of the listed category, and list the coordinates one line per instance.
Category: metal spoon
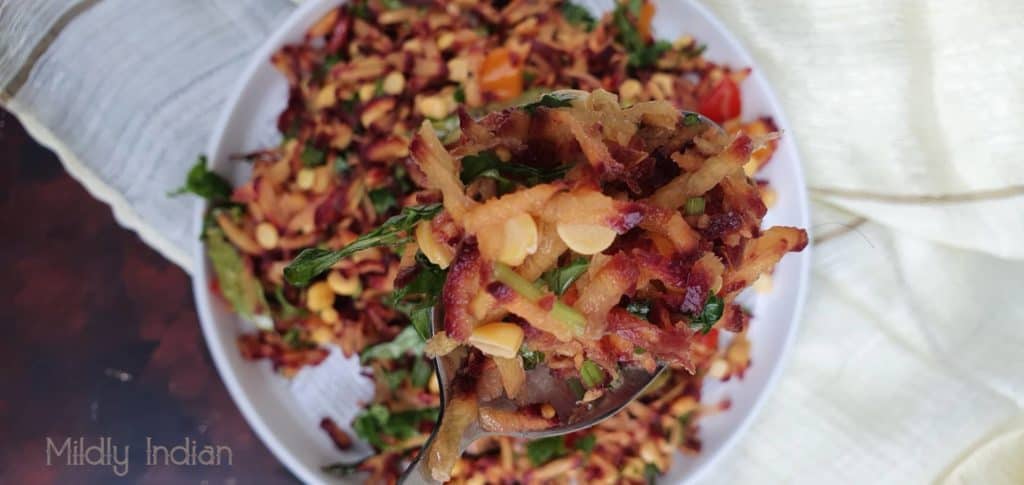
(634, 381)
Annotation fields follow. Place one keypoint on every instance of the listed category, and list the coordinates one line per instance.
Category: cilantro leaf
(559, 279)
(314, 261)
(418, 298)
(382, 199)
(293, 339)
(586, 444)
(421, 372)
(545, 449)
(651, 473)
(691, 119)
(311, 156)
(287, 309)
(487, 164)
(557, 99)
(531, 358)
(407, 341)
(204, 183)
(578, 15)
(709, 315)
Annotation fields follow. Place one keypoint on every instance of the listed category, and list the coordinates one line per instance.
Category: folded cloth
(909, 116)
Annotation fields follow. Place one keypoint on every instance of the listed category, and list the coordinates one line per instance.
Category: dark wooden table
(100, 340)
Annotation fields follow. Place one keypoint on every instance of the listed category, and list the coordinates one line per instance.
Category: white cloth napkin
(909, 366)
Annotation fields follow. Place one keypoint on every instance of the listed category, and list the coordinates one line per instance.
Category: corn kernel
(458, 69)
(394, 83)
(432, 107)
(547, 411)
(504, 154)
(763, 284)
(481, 304)
(520, 240)
(445, 40)
(683, 405)
(499, 339)
(433, 385)
(326, 97)
(769, 196)
(585, 238)
(319, 296)
(322, 335)
(329, 315)
(719, 368)
(630, 89)
(343, 286)
(649, 452)
(750, 168)
(366, 92)
(266, 235)
(435, 251)
(305, 178)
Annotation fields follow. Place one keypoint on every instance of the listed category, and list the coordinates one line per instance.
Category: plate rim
(242, 400)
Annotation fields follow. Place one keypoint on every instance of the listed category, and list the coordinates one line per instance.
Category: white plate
(285, 414)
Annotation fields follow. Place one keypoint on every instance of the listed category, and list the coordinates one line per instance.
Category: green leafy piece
(709, 315)
(418, 297)
(407, 341)
(293, 339)
(634, 6)
(691, 119)
(691, 52)
(312, 262)
(586, 444)
(651, 473)
(342, 469)
(576, 386)
(377, 422)
(394, 378)
(558, 99)
(591, 374)
(392, 4)
(460, 94)
(685, 419)
(382, 199)
(648, 54)
(694, 206)
(311, 156)
(531, 358)
(640, 308)
(421, 372)
(487, 164)
(447, 129)
(639, 350)
(528, 78)
(641, 53)
(238, 285)
(204, 183)
(578, 15)
(288, 310)
(559, 279)
(341, 164)
(359, 9)
(545, 449)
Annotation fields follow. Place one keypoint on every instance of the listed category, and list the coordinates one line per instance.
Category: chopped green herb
(392, 4)
(558, 99)
(578, 15)
(591, 374)
(447, 129)
(342, 469)
(648, 54)
(460, 94)
(528, 78)
(634, 6)
(586, 444)
(576, 386)
(311, 157)
(287, 309)
(359, 9)
(341, 164)
(420, 319)
(695, 51)
(651, 473)
(406, 342)
(383, 199)
(293, 338)
(559, 279)
(709, 315)
(545, 449)
(694, 206)
(237, 283)
(691, 119)
(531, 358)
(376, 422)
(378, 87)
(204, 183)
(639, 350)
(640, 308)
(314, 261)
(418, 297)
(685, 419)
(641, 53)
(487, 164)
(421, 372)
(394, 378)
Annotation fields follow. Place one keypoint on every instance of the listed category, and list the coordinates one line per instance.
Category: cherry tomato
(722, 103)
(500, 76)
